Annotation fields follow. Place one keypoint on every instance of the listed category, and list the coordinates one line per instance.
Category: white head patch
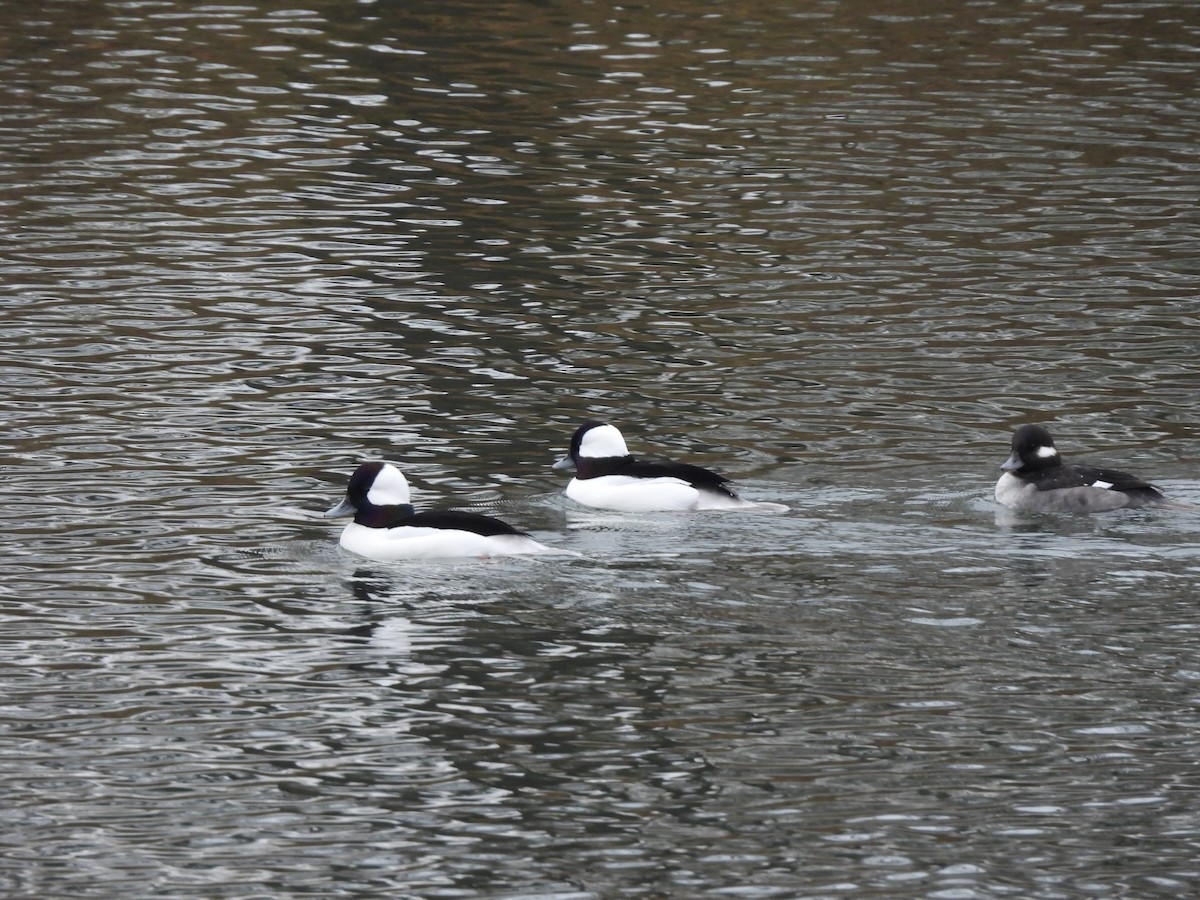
(1046, 452)
(603, 441)
(390, 488)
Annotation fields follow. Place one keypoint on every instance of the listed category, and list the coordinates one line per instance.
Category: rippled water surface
(836, 250)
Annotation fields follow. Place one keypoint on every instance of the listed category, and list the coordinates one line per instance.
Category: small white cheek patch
(1102, 484)
(1046, 452)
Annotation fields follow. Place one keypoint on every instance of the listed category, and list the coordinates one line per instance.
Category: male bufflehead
(386, 527)
(1036, 479)
(608, 477)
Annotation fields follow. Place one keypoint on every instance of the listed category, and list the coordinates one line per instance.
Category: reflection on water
(834, 252)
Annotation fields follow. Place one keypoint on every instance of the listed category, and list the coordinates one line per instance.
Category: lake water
(836, 250)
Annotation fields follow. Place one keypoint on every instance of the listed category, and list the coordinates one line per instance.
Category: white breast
(1012, 492)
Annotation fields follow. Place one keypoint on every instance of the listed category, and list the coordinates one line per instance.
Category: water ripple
(836, 253)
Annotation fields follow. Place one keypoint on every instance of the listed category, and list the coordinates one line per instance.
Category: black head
(573, 451)
(1033, 450)
(377, 496)
(593, 440)
(360, 483)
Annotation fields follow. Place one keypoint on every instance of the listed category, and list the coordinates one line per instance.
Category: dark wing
(696, 476)
(455, 520)
(1086, 476)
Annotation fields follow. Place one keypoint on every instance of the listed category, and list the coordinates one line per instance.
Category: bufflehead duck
(607, 476)
(386, 527)
(1037, 480)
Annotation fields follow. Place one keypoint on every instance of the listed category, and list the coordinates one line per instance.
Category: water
(835, 252)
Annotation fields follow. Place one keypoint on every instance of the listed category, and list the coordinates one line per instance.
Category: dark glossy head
(1032, 450)
(373, 484)
(593, 440)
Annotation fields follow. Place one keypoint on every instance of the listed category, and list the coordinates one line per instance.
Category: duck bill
(345, 508)
(564, 465)
(1012, 463)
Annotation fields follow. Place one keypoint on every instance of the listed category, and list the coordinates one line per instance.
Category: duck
(1036, 479)
(608, 476)
(386, 526)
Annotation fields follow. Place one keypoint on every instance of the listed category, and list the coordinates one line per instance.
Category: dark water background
(834, 249)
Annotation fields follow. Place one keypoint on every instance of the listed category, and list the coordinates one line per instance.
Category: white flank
(407, 542)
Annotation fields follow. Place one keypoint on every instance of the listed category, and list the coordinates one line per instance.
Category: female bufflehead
(386, 527)
(1037, 480)
(608, 477)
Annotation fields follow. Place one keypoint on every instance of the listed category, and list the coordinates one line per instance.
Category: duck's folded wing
(456, 520)
(696, 476)
(1096, 476)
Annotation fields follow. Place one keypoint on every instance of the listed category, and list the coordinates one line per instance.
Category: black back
(452, 519)
(1062, 476)
(697, 477)
(404, 515)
